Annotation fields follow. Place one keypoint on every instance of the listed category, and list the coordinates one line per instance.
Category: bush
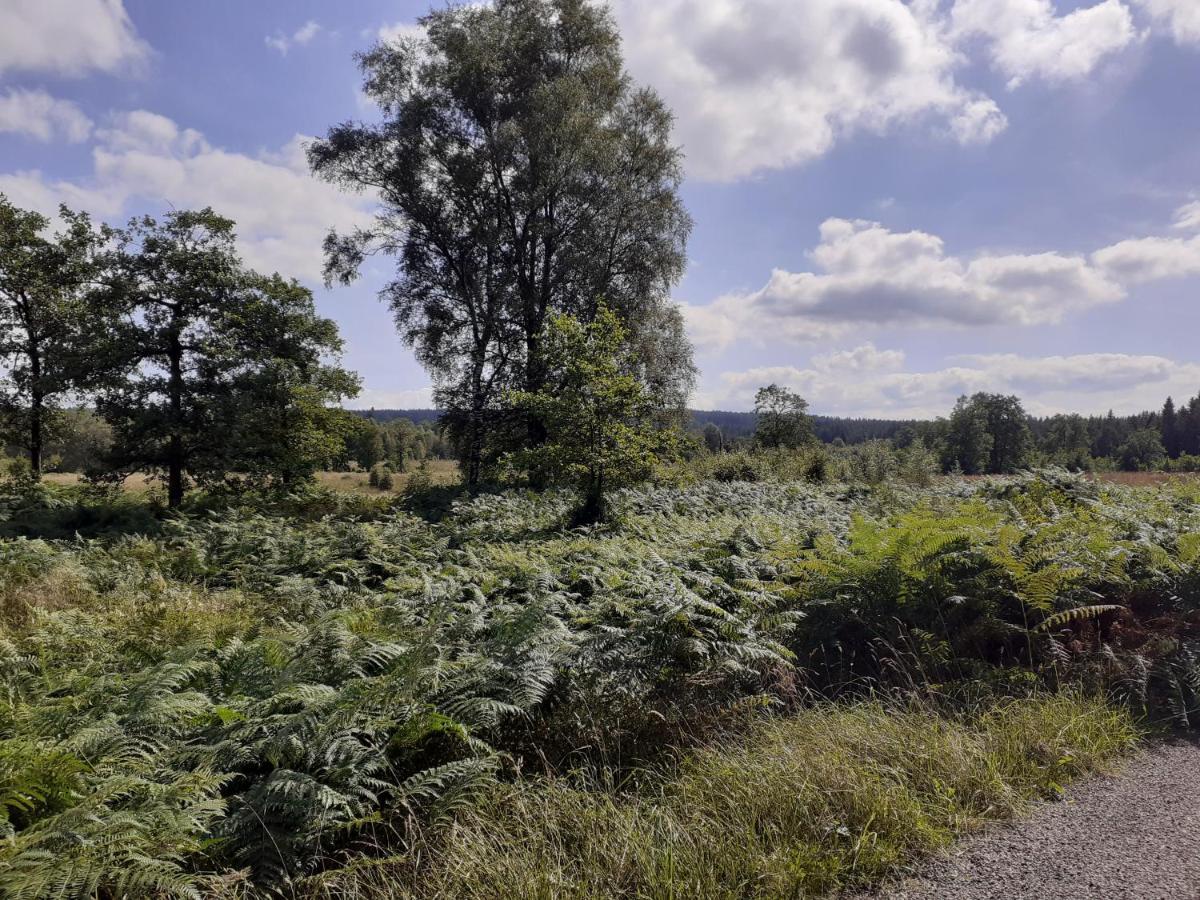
(381, 477)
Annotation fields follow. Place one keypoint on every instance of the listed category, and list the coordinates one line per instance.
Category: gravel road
(1132, 837)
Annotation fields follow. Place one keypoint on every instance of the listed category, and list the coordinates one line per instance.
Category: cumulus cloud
(864, 358)
(299, 38)
(1154, 258)
(1180, 17)
(1028, 39)
(144, 160)
(1150, 259)
(869, 275)
(1092, 382)
(38, 115)
(763, 84)
(69, 37)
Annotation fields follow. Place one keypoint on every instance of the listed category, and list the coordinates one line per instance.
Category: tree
(282, 426)
(521, 175)
(82, 440)
(714, 441)
(1110, 435)
(1067, 441)
(42, 279)
(218, 370)
(781, 418)
(967, 445)
(600, 419)
(1170, 430)
(988, 433)
(1142, 451)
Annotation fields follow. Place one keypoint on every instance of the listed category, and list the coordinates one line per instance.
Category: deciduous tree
(601, 428)
(521, 175)
(782, 418)
(220, 371)
(43, 278)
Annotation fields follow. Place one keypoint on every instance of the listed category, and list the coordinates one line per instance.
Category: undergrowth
(253, 697)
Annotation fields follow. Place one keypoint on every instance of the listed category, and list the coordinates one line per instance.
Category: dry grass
(441, 471)
(1145, 479)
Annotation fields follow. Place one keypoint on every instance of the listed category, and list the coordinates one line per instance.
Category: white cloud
(1089, 383)
(415, 398)
(68, 37)
(38, 115)
(864, 358)
(1187, 217)
(872, 276)
(763, 84)
(399, 31)
(1182, 17)
(1150, 259)
(1027, 39)
(301, 37)
(145, 160)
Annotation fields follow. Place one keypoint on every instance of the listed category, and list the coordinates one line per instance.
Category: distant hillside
(416, 416)
(732, 424)
(827, 428)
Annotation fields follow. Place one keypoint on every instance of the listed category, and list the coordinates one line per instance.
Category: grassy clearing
(833, 797)
(439, 471)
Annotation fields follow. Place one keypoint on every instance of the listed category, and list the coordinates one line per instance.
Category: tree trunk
(36, 411)
(175, 452)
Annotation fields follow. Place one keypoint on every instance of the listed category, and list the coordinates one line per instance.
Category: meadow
(730, 689)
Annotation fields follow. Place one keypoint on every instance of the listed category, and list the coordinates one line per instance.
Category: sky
(896, 201)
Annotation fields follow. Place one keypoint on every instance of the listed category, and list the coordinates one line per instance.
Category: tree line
(985, 433)
(199, 367)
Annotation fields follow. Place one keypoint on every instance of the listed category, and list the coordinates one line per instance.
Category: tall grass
(836, 796)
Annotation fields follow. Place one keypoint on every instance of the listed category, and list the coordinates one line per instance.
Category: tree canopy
(600, 423)
(521, 175)
(215, 370)
(781, 418)
(43, 280)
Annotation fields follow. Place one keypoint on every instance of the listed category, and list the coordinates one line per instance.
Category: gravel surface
(1133, 836)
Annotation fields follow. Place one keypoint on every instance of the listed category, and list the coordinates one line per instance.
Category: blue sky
(895, 202)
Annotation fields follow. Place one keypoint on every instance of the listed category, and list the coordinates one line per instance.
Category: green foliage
(781, 418)
(601, 429)
(1143, 451)
(43, 296)
(297, 695)
(381, 477)
(524, 176)
(831, 799)
(213, 371)
(987, 434)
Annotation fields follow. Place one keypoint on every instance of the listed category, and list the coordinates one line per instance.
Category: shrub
(381, 477)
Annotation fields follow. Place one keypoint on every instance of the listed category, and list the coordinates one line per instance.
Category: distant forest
(1067, 439)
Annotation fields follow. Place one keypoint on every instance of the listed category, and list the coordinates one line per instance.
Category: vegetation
(214, 369)
(42, 286)
(522, 175)
(302, 696)
(617, 660)
(782, 418)
(601, 433)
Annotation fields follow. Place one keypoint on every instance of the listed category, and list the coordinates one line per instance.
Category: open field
(238, 700)
(441, 471)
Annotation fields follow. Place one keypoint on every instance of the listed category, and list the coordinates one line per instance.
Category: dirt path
(1133, 836)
